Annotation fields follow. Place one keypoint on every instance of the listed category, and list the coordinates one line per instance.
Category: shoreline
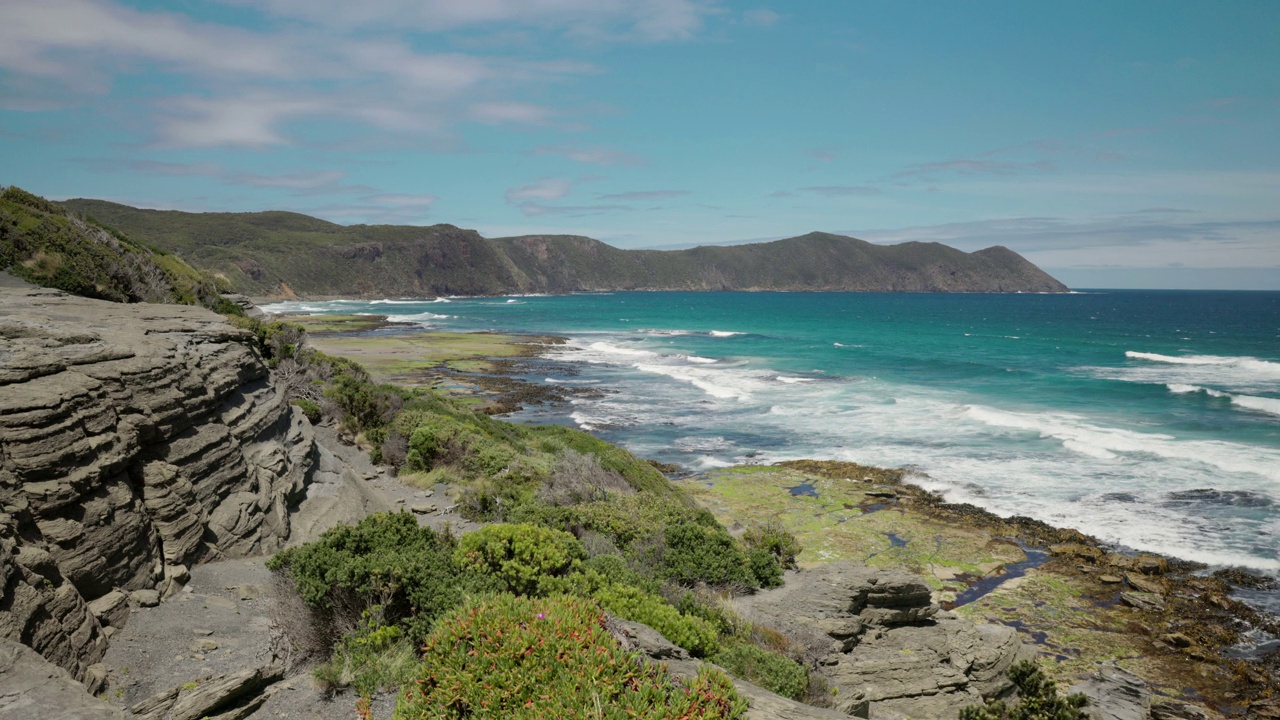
(1078, 600)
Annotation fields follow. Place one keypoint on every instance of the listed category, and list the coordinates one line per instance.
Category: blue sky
(1113, 143)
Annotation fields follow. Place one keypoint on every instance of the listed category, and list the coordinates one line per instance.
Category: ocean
(1149, 419)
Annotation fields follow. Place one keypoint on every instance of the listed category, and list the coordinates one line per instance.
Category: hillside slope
(271, 252)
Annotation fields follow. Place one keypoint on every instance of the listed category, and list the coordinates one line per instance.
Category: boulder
(765, 705)
(1115, 694)
(232, 696)
(145, 598)
(885, 645)
(32, 687)
(111, 609)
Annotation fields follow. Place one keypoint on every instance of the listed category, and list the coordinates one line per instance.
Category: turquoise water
(1148, 419)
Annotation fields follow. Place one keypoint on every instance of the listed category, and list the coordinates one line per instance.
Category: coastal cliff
(268, 253)
(135, 440)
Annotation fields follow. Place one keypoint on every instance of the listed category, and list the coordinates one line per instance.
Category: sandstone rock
(765, 705)
(32, 687)
(1110, 579)
(423, 508)
(1144, 584)
(134, 436)
(1143, 600)
(221, 696)
(1171, 710)
(1115, 694)
(111, 609)
(145, 598)
(1151, 565)
(908, 660)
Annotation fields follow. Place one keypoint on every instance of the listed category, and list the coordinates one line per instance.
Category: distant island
(282, 253)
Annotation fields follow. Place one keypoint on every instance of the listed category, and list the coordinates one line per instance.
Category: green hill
(42, 243)
(269, 253)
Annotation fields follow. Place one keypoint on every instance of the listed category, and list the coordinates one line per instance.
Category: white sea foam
(1270, 406)
(1054, 466)
(399, 302)
(669, 333)
(718, 385)
(723, 333)
(422, 318)
(607, 349)
(1264, 368)
(793, 380)
(1095, 441)
(697, 359)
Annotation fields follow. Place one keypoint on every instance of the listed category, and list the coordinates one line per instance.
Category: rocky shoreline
(150, 462)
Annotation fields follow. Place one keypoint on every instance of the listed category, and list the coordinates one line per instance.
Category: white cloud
(497, 113)
(592, 156)
(651, 20)
(245, 87)
(544, 189)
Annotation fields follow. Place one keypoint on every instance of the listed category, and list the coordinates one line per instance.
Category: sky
(1115, 144)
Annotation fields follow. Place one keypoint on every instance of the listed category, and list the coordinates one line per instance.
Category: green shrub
(691, 633)
(638, 474)
(771, 671)
(533, 659)
(385, 560)
(1038, 699)
(375, 657)
(764, 567)
(525, 559)
(308, 408)
(772, 536)
(697, 553)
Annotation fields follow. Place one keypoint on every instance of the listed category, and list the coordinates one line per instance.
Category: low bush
(694, 634)
(773, 537)
(372, 658)
(385, 560)
(771, 671)
(309, 408)
(578, 478)
(701, 554)
(524, 559)
(532, 659)
(1038, 699)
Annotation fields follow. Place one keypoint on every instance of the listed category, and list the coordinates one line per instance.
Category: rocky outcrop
(889, 650)
(32, 687)
(135, 440)
(764, 705)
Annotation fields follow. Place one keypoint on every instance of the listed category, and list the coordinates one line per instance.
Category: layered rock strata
(135, 440)
(887, 648)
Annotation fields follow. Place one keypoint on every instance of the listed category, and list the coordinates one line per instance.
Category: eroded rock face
(890, 651)
(135, 440)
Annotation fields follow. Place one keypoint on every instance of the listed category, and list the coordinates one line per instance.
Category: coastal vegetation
(279, 253)
(43, 243)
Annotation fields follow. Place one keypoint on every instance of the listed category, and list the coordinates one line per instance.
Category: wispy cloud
(824, 154)
(969, 167)
(591, 156)
(544, 189)
(643, 195)
(536, 209)
(830, 191)
(596, 20)
(249, 88)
